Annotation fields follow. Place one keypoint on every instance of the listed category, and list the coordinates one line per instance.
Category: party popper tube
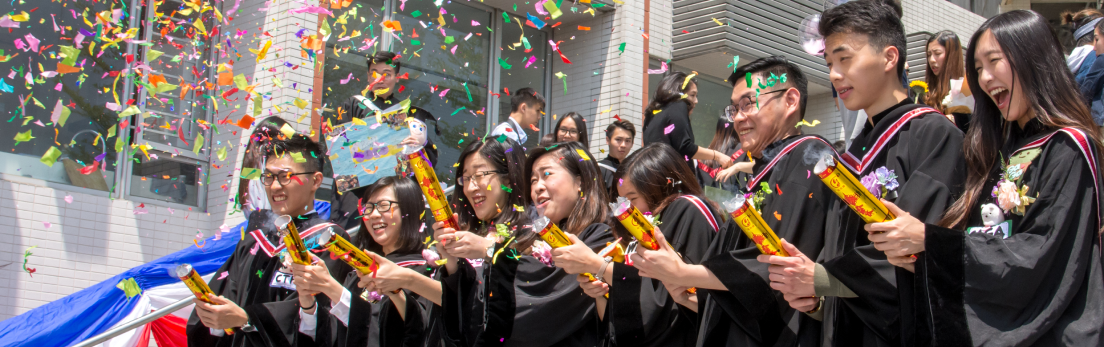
(344, 250)
(635, 223)
(555, 237)
(847, 187)
(197, 285)
(296, 249)
(753, 225)
(431, 187)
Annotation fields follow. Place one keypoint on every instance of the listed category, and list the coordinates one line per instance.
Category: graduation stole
(785, 150)
(857, 166)
(273, 250)
(1084, 143)
(703, 209)
(411, 263)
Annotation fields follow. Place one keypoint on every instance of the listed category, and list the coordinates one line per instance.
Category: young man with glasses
(738, 304)
(619, 137)
(255, 295)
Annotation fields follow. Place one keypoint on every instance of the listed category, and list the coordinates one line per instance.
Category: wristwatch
(490, 251)
(248, 328)
(820, 303)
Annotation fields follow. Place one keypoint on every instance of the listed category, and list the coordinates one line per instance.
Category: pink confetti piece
(19, 44)
(224, 274)
(532, 59)
(32, 41)
(475, 24)
(346, 80)
(47, 224)
(311, 9)
(253, 250)
(662, 68)
(68, 199)
(454, 49)
(668, 129)
(443, 92)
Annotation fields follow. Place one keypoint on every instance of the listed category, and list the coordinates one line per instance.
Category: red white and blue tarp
(98, 308)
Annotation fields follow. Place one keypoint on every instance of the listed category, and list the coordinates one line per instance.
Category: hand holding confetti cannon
(431, 187)
(753, 225)
(555, 237)
(296, 249)
(634, 222)
(848, 188)
(197, 285)
(342, 249)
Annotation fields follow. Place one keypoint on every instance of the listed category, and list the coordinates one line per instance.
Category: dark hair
(385, 57)
(580, 124)
(527, 96)
(896, 6)
(624, 125)
(267, 130)
(725, 140)
(660, 176)
(1076, 20)
(778, 66)
(507, 157)
(669, 90)
(411, 203)
(953, 68)
(593, 206)
(298, 143)
(1035, 56)
(877, 20)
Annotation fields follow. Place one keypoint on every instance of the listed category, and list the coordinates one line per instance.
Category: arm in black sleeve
(681, 137)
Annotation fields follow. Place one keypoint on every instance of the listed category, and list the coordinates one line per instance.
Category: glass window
(441, 61)
(30, 92)
(528, 67)
(344, 57)
(163, 177)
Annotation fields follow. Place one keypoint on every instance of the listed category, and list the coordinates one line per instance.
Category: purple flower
(882, 173)
(871, 183)
(892, 184)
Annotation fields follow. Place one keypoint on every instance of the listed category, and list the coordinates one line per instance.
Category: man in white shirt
(526, 109)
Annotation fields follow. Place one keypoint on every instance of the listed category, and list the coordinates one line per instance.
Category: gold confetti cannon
(344, 250)
(555, 237)
(851, 190)
(197, 285)
(634, 221)
(431, 187)
(296, 249)
(751, 222)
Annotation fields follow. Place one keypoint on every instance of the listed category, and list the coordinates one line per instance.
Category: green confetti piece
(199, 142)
(553, 10)
(71, 54)
(501, 138)
(51, 156)
(64, 117)
(153, 54)
(506, 16)
(597, 5)
(23, 137)
(415, 43)
(449, 40)
(129, 111)
(466, 90)
(622, 48)
(505, 188)
(747, 77)
(416, 13)
(130, 287)
(221, 153)
(298, 157)
(250, 173)
(240, 82)
(503, 63)
(458, 110)
(783, 78)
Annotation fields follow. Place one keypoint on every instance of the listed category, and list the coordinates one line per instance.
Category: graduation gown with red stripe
(750, 313)
(924, 150)
(1043, 285)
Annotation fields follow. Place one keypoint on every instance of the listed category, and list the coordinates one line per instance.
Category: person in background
(944, 72)
(619, 139)
(547, 140)
(572, 127)
(725, 140)
(1092, 86)
(1082, 23)
(526, 109)
(667, 119)
(251, 193)
(1016, 261)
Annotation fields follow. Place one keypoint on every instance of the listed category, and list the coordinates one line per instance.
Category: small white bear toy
(991, 215)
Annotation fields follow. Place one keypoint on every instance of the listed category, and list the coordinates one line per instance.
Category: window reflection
(165, 178)
(527, 67)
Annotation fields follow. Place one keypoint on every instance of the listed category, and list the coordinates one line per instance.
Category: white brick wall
(659, 32)
(822, 107)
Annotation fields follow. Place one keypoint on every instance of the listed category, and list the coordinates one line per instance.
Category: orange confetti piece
(779, 189)
(777, 215)
(245, 122)
(584, 28)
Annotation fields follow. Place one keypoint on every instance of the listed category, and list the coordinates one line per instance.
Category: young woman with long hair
(1027, 268)
(370, 309)
(945, 70)
(667, 119)
(643, 311)
(571, 127)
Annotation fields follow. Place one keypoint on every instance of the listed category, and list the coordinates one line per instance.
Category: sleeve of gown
(934, 146)
(199, 334)
(636, 304)
(458, 305)
(1019, 287)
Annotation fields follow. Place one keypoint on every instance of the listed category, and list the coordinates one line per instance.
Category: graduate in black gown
(372, 309)
(667, 119)
(256, 296)
(737, 305)
(916, 152)
(643, 311)
(1016, 261)
(620, 136)
(383, 77)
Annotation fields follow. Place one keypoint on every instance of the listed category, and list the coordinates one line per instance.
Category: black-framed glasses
(748, 105)
(478, 176)
(284, 178)
(381, 206)
(569, 132)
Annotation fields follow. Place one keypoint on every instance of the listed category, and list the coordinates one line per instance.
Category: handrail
(131, 325)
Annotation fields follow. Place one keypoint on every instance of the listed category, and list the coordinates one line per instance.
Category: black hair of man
(385, 57)
(875, 19)
(527, 96)
(777, 66)
(623, 125)
(301, 144)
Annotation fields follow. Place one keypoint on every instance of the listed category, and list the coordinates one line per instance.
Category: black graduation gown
(640, 311)
(1043, 285)
(273, 311)
(380, 324)
(681, 137)
(926, 156)
(750, 313)
(344, 205)
(526, 303)
(607, 175)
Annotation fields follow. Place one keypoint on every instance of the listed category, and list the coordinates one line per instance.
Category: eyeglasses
(284, 178)
(478, 176)
(568, 132)
(382, 206)
(747, 105)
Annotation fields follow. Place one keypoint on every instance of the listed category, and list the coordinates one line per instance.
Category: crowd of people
(995, 193)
